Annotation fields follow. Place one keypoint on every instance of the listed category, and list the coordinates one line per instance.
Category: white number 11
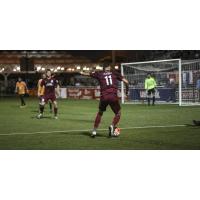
(108, 80)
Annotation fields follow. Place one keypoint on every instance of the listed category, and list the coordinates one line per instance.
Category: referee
(150, 85)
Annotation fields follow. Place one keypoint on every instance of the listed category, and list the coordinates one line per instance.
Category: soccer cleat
(197, 123)
(24, 106)
(55, 117)
(94, 133)
(111, 130)
(40, 116)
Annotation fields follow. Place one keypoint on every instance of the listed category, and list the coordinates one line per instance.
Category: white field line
(88, 130)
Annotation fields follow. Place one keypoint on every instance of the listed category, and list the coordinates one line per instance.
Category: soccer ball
(116, 132)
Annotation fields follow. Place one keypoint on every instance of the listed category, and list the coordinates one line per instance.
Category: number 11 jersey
(108, 81)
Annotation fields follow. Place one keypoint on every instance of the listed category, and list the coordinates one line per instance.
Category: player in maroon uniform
(108, 80)
(51, 89)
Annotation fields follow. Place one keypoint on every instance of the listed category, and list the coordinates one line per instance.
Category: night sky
(91, 54)
(121, 55)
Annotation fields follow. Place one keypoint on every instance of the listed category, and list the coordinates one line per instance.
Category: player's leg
(41, 107)
(97, 121)
(50, 106)
(22, 100)
(24, 103)
(174, 95)
(40, 100)
(116, 108)
(154, 98)
(55, 109)
(149, 97)
(20, 97)
(102, 108)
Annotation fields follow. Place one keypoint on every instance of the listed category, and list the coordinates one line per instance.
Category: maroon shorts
(51, 97)
(111, 100)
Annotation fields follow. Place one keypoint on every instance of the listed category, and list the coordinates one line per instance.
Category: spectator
(198, 86)
(172, 86)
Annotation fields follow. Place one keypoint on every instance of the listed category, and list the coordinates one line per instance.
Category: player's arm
(146, 84)
(39, 88)
(57, 90)
(155, 84)
(125, 81)
(42, 83)
(16, 88)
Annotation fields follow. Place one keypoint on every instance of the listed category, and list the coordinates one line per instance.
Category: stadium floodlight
(97, 67)
(116, 67)
(176, 81)
(38, 68)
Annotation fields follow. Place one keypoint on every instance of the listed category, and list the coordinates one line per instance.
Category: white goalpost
(177, 81)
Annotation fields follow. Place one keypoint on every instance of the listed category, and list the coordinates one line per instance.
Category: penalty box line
(88, 130)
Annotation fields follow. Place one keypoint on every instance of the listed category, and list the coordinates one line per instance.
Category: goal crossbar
(149, 62)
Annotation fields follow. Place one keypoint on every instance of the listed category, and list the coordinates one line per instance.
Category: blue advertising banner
(162, 94)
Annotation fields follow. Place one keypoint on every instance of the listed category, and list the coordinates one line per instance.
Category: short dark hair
(105, 64)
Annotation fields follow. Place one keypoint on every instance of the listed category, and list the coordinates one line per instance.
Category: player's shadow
(88, 134)
(44, 117)
(83, 133)
(34, 111)
(80, 120)
(192, 125)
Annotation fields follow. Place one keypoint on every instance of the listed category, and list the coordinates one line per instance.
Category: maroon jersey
(50, 85)
(108, 81)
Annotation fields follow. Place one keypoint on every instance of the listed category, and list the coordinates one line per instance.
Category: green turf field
(79, 115)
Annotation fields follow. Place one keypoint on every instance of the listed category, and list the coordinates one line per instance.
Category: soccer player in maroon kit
(51, 89)
(108, 80)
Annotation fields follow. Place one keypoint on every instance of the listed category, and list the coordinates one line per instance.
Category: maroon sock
(55, 111)
(97, 120)
(116, 119)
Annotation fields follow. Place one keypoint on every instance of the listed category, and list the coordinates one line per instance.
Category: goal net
(190, 82)
(177, 81)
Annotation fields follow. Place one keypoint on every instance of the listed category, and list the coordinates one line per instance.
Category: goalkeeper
(150, 86)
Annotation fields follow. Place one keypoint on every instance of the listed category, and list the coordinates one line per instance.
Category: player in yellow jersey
(41, 90)
(21, 90)
(150, 86)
